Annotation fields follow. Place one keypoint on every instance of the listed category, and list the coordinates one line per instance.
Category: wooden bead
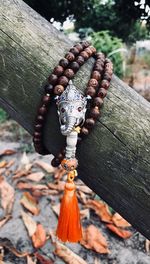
(98, 67)
(60, 156)
(94, 113)
(70, 56)
(75, 51)
(55, 162)
(74, 66)
(37, 135)
(46, 99)
(105, 84)
(58, 89)
(79, 47)
(64, 62)
(40, 119)
(84, 131)
(100, 55)
(38, 127)
(36, 140)
(69, 73)
(93, 49)
(89, 122)
(85, 44)
(107, 76)
(102, 93)
(98, 102)
(63, 80)
(93, 82)
(42, 110)
(80, 60)
(53, 79)
(85, 55)
(90, 91)
(58, 70)
(96, 75)
(89, 51)
(108, 61)
(48, 88)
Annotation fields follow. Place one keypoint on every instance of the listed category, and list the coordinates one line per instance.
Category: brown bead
(40, 119)
(94, 112)
(100, 55)
(38, 127)
(37, 135)
(79, 47)
(84, 131)
(108, 61)
(36, 140)
(102, 93)
(80, 60)
(46, 99)
(93, 82)
(85, 44)
(70, 56)
(58, 70)
(42, 110)
(75, 51)
(85, 55)
(89, 122)
(107, 76)
(74, 66)
(63, 80)
(98, 67)
(55, 162)
(93, 49)
(69, 73)
(48, 88)
(105, 84)
(64, 63)
(96, 75)
(53, 79)
(98, 102)
(58, 89)
(108, 67)
(89, 51)
(60, 156)
(90, 91)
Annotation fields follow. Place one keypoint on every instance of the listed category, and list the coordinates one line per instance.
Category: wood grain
(115, 158)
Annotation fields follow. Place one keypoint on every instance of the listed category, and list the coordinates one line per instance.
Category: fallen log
(115, 158)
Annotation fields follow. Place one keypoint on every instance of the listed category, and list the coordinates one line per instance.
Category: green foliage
(3, 116)
(103, 41)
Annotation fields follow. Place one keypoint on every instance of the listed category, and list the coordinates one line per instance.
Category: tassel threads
(69, 227)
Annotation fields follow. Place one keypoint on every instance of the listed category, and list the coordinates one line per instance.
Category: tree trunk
(115, 158)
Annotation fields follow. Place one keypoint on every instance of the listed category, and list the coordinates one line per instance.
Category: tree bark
(115, 158)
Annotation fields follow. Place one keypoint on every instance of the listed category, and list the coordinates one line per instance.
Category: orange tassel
(69, 227)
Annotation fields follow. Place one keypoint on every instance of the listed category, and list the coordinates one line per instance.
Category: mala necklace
(76, 121)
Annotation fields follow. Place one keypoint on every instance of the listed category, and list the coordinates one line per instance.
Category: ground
(134, 250)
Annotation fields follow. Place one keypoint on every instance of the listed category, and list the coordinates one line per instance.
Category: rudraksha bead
(100, 55)
(98, 67)
(96, 75)
(107, 76)
(93, 82)
(75, 51)
(69, 73)
(90, 91)
(79, 47)
(53, 79)
(46, 99)
(48, 88)
(80, 60)
(89, 51)
(63, 80)
(85, 44)
(102, 93)
(74, 66)
(92, 49)
(84, 131)
(58, 70)
(94, 112)
(85, 55)
(70, 56)
(64, 63)
(89, 122)
(105, 84)
(98, 102)
(42, 110)
(58, 89)
(55, 162)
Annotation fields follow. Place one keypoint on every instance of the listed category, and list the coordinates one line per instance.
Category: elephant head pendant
(71, 110)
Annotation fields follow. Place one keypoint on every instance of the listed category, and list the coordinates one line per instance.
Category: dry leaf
(97, 261)
(39, 193)
(59, 173)
(67, 255)
(85, 213)
(29, 223)
(30, 261)
(93, 239)
(147, 245)
(82, 196)
(27, 185)
(119, 232)
(4, 220)
(7, 195)
(24, 167)
(10, 163)
(7, 152)
(35, 176)
(39, 237)
(56, 208)
(6, 243)
(30, 203)
(45, 166)
(101, 209)
(2, 170)
(119, 221)
(57, 186)
(3, 164)
(43, 260)
(85, 189)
